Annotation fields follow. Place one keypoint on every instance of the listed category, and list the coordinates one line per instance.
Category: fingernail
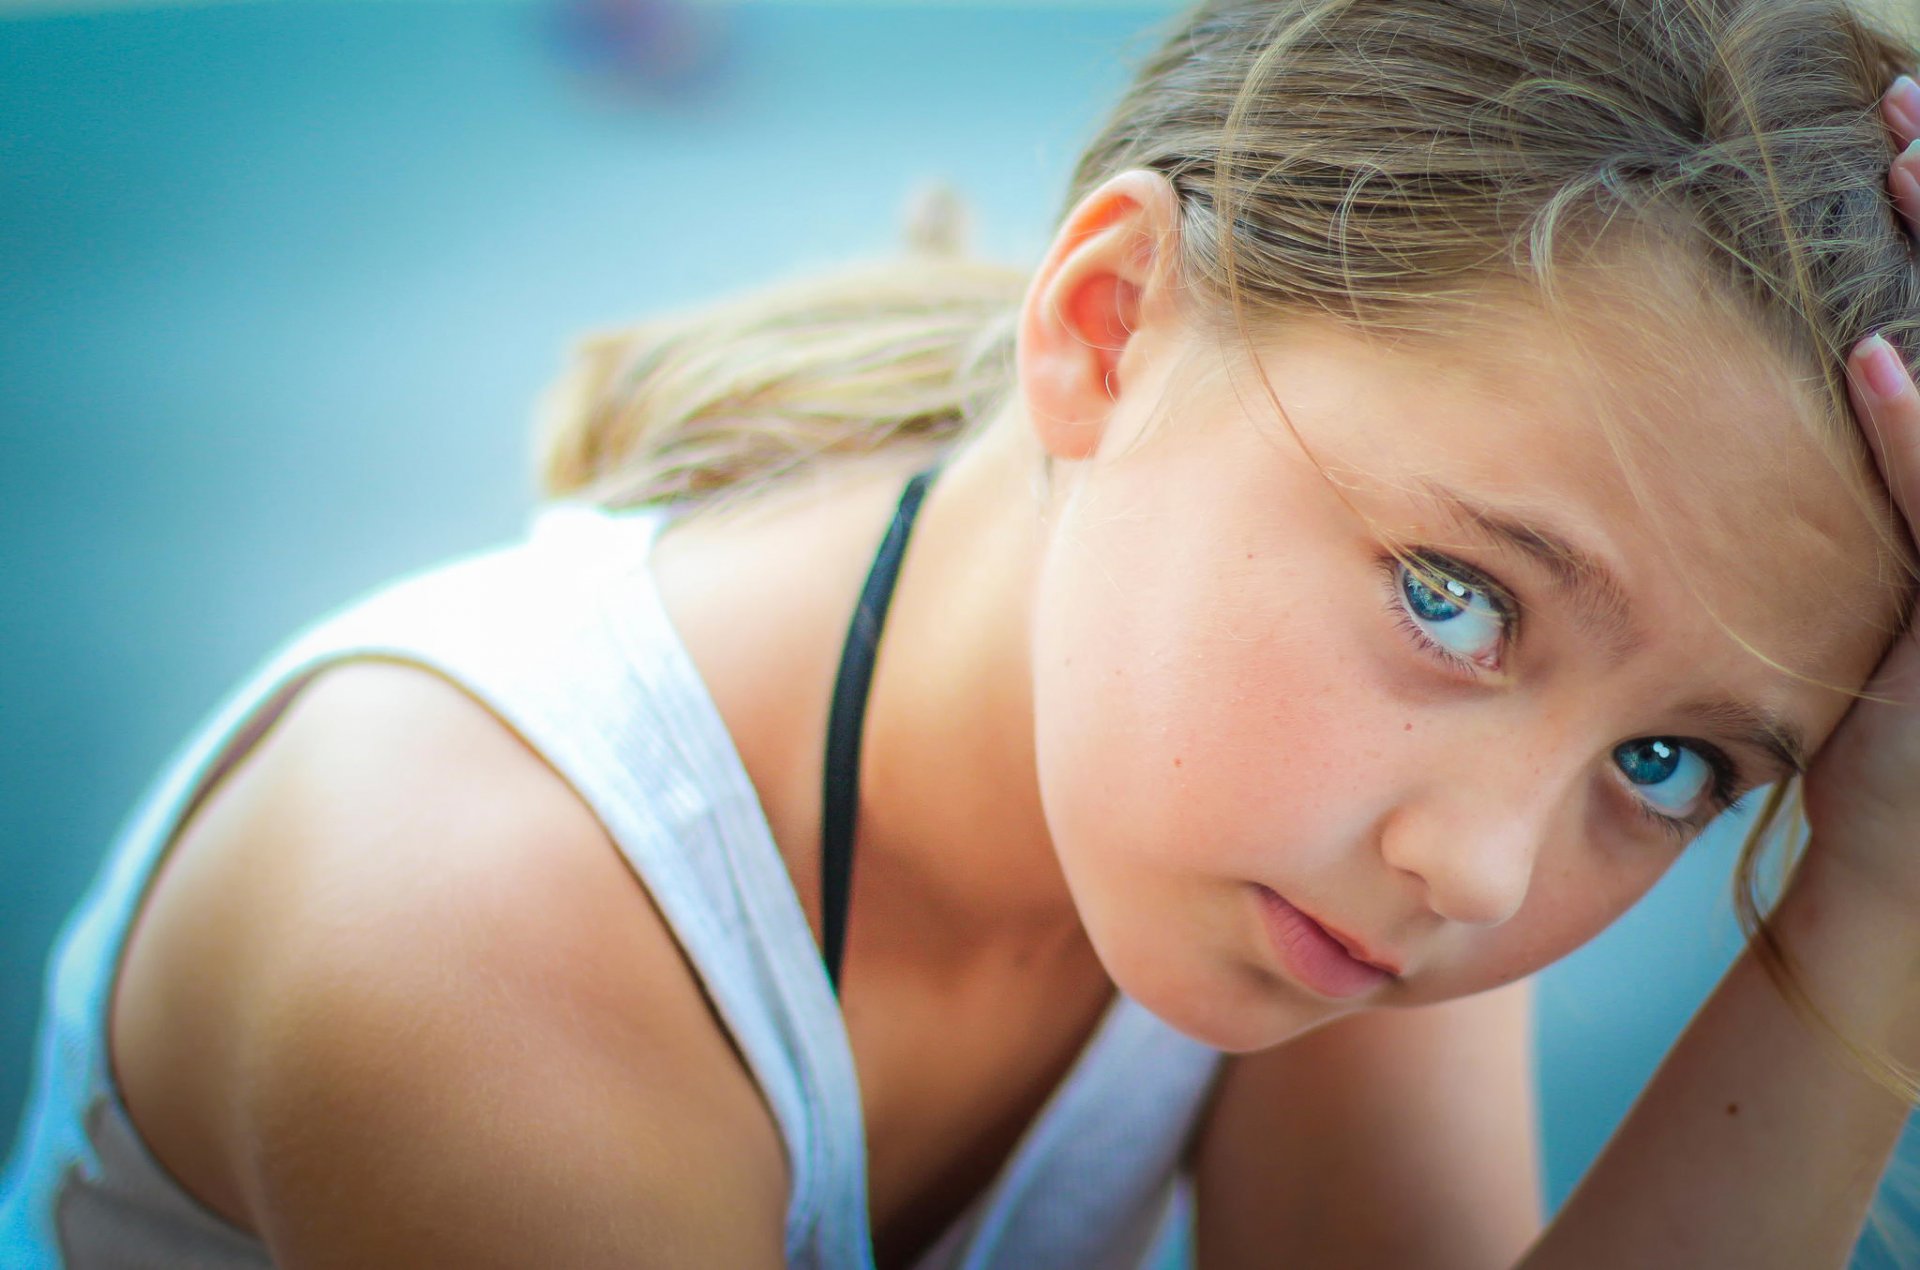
(1886, 375)
(1905, 96)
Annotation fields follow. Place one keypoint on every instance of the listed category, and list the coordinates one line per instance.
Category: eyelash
(1721, 797)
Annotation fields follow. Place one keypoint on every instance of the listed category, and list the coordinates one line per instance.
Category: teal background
(278, 284)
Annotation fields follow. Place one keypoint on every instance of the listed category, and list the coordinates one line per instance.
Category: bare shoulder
(396, 998)
(1391, 1137)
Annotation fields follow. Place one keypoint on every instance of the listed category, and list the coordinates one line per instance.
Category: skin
(1151, 622)
(1467, 825)
(1067, 787)
(1009, 802)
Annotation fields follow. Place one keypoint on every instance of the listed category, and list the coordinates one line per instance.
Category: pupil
(1648, 762)
(1431, 604)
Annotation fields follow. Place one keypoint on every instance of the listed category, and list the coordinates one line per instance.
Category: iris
(1461, 618)
(1669, 775)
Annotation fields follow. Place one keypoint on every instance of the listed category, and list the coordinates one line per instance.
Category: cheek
(1575, 895)
(1223, 730)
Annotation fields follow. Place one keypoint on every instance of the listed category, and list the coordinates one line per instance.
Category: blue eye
(1678, 781)
(1462, 620)
(1666, 773)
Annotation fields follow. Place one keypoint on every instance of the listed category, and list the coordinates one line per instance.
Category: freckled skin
(1226, 615)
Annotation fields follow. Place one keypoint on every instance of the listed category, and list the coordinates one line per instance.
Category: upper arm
(1390, 1138)
(450, 1028)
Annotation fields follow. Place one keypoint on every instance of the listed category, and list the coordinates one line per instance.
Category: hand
(1863, 788)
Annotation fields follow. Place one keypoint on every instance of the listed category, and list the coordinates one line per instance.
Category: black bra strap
(840, 798)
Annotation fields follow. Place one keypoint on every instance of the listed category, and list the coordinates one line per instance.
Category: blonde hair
(736, 395)
(1378, 162)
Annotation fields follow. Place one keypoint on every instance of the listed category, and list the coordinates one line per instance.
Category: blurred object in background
(937, 221)
(644, 47)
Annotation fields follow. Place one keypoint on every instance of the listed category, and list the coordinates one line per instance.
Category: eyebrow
(1601, 611)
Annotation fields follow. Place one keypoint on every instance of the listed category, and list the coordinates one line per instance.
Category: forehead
(1695, 471)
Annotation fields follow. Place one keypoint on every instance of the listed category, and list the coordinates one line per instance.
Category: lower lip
(1312, 956)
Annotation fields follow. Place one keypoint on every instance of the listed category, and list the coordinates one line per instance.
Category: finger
(1901, 109)
(1887, 406)
(1903, 182)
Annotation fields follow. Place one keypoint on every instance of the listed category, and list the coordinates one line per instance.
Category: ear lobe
(1097, 290)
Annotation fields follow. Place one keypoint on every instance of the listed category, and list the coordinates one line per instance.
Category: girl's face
(1241, 695)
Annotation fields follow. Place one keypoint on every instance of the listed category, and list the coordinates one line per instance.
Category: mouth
(1357, 949)
(1321, 959)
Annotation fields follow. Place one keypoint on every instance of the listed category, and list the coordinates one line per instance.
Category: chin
(1227, 1005)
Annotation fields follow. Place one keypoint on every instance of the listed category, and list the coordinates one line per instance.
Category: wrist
(1854, 944)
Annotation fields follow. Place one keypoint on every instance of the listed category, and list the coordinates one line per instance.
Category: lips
(1311, 955)
(1355, 948)
(1358, 949)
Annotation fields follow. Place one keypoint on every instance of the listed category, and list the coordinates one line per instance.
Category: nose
(1474, 837)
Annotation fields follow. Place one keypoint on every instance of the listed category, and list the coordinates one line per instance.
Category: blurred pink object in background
(644, 45)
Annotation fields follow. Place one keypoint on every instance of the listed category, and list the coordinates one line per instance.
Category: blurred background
(280, 281)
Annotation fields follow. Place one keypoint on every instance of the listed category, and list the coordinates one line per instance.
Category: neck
(953, 862)
(950, 810)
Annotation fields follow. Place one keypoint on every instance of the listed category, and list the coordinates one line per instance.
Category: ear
(1095, 307)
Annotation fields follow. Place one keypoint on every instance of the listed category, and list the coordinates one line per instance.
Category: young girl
(1417, 490)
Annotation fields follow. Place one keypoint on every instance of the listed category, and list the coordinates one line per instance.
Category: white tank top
(562, 635)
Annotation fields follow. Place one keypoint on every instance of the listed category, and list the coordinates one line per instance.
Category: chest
(952, 1077)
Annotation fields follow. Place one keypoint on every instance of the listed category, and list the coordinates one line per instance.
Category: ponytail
(743, 392)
